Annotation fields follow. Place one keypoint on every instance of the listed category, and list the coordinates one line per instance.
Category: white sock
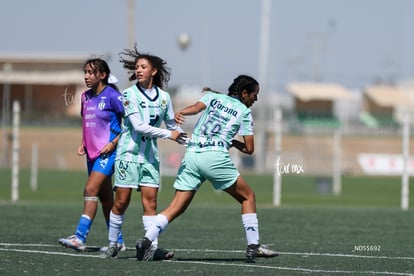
(251, 228)
(115, 225)
(155, 229)
(147, 221)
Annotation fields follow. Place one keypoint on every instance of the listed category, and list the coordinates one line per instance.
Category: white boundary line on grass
(304, 253)
(240, 251)
(227, 264)
(49, 252)
(236, 251)
(297, 268)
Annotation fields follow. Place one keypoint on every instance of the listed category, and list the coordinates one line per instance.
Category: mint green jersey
(135, 146)
(223, 119)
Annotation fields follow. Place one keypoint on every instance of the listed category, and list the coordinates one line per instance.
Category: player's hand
(179, 137)
(174, 135)
(183, 139)
(81, 150)
(179, 118)
(107, 149)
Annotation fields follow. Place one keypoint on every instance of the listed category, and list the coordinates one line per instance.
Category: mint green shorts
(132, 174)
(214, 166)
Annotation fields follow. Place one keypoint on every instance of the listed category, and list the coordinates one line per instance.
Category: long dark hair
(99, 65)
(129, 58)
(241, 83)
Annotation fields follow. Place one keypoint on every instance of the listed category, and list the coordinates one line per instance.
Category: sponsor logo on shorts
(103, 162)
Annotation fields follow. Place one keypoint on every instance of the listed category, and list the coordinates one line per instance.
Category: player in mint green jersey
(207, 158)
(146, 106)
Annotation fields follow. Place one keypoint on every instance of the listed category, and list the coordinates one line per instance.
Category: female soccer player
(137, 162)
(102, 112)
(207, 158)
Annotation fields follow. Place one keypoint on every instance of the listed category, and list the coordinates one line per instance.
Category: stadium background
(368, 121)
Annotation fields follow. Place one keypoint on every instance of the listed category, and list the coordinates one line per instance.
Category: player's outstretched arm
(193, 109)
(246, 147)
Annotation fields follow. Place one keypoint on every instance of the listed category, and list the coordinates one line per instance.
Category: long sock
(147, 221)
(115, 225)
(251, 228)
(83, 227)
(120, 236)
(156, 228)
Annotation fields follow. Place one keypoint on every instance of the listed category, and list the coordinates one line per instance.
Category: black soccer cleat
(143, 247)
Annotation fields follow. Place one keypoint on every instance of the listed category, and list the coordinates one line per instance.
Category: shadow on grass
(92, 249)
(201, 259)
(204, 259)
(180, 259)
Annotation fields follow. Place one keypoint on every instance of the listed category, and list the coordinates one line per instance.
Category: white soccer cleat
(121, 247)
(257, 250)
(73, 242)
(111, 251)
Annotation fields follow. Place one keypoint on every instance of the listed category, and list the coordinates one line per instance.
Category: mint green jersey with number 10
(223, 119)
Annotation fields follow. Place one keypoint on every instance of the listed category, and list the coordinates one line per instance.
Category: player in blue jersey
(102, 111)
(207, 158)
(137, 166)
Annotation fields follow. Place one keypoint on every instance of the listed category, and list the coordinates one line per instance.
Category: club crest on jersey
(125, 96)
(101, 105)
(164, 104)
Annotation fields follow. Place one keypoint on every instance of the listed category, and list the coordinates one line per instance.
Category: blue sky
(351, 42)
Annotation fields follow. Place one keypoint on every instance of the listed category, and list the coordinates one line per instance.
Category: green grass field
(360, 232)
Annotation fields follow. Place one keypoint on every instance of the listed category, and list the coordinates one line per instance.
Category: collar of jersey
(145, 94)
